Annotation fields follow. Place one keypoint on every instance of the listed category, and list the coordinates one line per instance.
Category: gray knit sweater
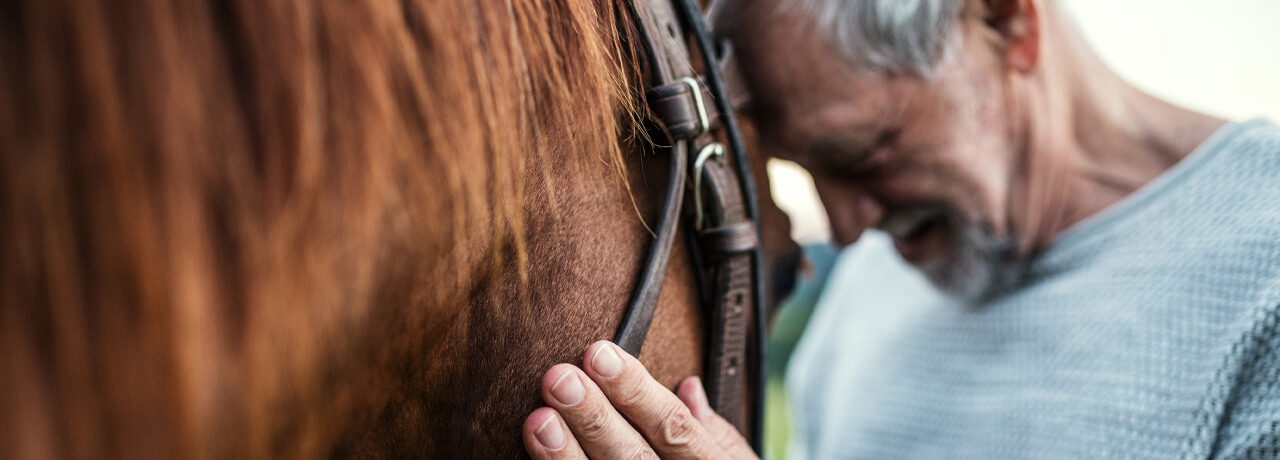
(1147, 331)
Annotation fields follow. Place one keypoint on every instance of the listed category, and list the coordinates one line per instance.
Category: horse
(291, 228)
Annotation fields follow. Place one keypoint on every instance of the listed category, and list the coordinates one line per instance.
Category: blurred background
(1220, 57)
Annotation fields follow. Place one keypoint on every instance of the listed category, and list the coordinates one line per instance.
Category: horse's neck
(585, 247)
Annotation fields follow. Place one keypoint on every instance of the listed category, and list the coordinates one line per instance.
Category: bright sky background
(1217, 56)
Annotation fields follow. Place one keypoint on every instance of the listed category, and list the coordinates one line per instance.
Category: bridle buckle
(704, 121)
(716, 150)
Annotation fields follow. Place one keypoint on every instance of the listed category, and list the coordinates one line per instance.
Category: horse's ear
(1019, 27)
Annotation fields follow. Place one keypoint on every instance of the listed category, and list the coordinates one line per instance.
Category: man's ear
(1018, 23)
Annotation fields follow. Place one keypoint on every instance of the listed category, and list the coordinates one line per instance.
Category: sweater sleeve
(1250, 427)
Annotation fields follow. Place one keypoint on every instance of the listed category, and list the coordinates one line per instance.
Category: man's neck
(1113, 140)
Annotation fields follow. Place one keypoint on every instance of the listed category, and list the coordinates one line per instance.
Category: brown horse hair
(201, 201)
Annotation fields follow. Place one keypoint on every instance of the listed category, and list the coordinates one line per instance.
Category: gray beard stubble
(978, 264)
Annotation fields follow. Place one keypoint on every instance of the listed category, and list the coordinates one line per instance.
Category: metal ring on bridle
(714, 149)
(704, 122)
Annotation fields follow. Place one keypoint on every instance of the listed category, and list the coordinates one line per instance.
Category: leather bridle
(695, 113)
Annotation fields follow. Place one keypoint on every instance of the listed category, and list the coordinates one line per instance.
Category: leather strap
(668, 60)
(676, 107)
(708, 48)
(728, 260)
(726, 240)
(731, 245)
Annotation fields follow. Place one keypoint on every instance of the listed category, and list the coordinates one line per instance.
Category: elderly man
(1093, 272)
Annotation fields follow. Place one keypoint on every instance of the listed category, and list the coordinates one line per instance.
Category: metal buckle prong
(704, 123)
(713, 149)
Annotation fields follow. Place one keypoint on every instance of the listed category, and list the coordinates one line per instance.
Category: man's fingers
(587, 412)
(592, 421)
(725, 435)
(546, 437)
(655, 411)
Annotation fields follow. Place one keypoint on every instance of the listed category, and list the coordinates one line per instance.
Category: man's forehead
(802, 86)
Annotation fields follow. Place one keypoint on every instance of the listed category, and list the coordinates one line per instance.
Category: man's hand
(589, 409)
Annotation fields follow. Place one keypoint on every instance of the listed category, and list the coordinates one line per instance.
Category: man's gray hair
(894, 36)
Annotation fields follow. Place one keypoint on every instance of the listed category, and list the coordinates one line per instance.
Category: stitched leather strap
(728, 261)
(730, 244)
(707, 47)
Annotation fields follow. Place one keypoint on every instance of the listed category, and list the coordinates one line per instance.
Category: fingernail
(606, 362)
(550, 435)
(568, 389)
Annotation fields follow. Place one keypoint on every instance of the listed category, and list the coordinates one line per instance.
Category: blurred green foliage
(793, 317)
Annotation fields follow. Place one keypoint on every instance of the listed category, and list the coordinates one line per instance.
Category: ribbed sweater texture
(1148, 331)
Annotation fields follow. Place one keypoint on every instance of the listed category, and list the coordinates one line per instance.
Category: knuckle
(592, 423)
(642, 452)
(678, 427)
(631, 394)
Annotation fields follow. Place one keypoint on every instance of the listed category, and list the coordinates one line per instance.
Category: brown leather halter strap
(690, 111)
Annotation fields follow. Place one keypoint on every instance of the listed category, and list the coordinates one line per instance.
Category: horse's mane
(202, 201)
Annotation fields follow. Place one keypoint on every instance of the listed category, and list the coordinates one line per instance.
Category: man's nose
(850, 208)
